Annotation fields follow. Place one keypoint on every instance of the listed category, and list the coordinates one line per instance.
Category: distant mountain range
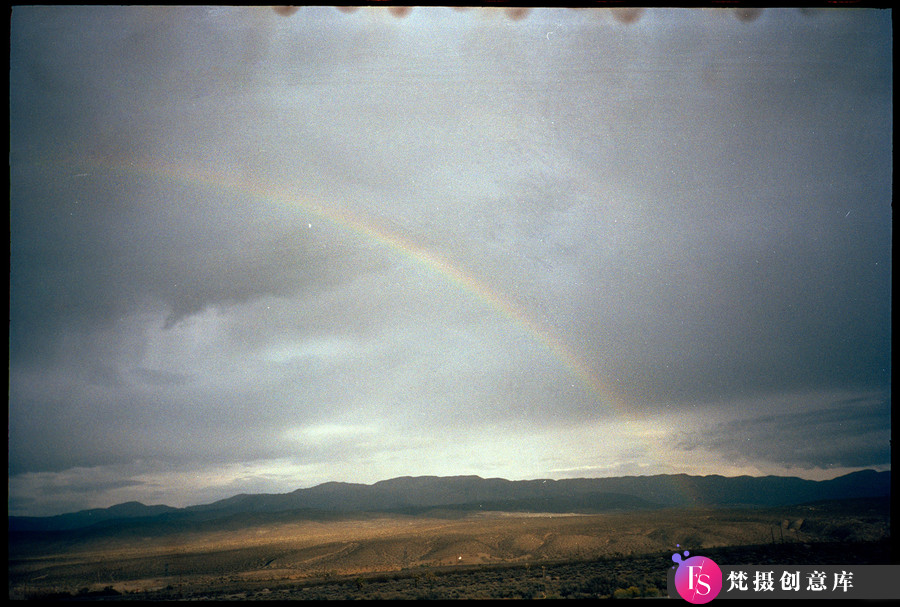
(420, 495)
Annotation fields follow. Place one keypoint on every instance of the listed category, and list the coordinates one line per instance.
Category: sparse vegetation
(617, 578)
(406, 557)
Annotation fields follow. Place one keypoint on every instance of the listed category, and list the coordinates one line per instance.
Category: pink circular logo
(698, 579)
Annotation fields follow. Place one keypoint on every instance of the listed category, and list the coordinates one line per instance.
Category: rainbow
(369, 230)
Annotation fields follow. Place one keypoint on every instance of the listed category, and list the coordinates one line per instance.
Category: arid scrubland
(408, 554)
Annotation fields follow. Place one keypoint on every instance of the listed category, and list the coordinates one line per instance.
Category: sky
(254, 250)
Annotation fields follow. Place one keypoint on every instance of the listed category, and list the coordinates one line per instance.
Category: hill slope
(473, 493)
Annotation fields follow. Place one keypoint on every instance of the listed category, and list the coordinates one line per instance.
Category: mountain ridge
(419, 494)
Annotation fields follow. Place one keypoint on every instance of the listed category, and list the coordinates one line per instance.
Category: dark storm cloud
(753, 267)
(853, 433)
(777, 317)
(107, 243)
(90, 427)
(66, 497)
(116, 88)
(84, 255)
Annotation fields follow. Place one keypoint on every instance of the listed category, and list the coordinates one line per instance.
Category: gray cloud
(230, 226)
(848, 434)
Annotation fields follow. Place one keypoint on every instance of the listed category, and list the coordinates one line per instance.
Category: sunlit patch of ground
(290, 552)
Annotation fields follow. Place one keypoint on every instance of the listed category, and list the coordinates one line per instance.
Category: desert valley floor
(433, 555)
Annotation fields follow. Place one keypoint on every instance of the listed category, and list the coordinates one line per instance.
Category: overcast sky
(255, 251)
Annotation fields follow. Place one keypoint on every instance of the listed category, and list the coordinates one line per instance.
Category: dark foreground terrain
(622, 577)
(484, 555)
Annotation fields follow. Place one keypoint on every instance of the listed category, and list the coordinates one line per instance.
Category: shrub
(627, 593)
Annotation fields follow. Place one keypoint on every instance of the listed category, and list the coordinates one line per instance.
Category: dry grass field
(267, 557)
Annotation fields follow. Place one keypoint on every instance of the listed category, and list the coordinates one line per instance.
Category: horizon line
(455, 476)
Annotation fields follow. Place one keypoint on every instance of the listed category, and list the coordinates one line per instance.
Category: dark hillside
(468, 493)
